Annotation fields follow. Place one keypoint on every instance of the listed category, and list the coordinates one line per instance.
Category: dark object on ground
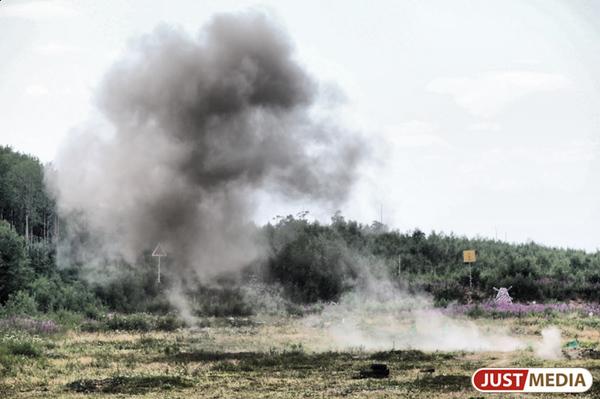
(377, 370)
(590, 354)
(429, 370)
(581, 353)
(128, 385)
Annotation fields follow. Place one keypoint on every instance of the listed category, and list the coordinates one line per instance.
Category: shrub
(314, 266)
(134, 322)
(24, 348)
(14, 266)
(7, 362)
(168, 323)
(222, 301)
(475, 312)
(21, 345)
(53, 294)
(19, 303)
(140, 322)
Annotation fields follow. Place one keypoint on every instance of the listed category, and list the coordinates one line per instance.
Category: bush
(222, 301)
(24, 348)
(14, 266)
(168, 323)
(140, 322)
(134, 322)
(475, 312)
(448, 292)
(20, 345)
(315, 265)
(52, 294)
(7, 362)
(20, 303)
(42, 258)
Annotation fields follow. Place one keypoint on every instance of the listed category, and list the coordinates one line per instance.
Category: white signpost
(158, 253)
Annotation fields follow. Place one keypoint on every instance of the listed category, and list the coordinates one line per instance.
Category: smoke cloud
(195, 128)
(382, 316)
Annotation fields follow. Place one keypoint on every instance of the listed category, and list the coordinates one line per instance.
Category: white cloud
(54, 48)
(414, 134)
(489, 93)
(484, 127)
(554, 167)
(36, 91)
(38, 10)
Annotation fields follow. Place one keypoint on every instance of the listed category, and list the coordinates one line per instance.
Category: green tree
(23, 198)
(14, 265)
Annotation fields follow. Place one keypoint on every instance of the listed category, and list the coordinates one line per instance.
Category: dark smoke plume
(196, 127)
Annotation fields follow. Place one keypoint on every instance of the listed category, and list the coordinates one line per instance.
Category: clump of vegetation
(410, 356)
(506, 310)
(140, 322)
(129, 385)
(22, 344)
(16, 346)
(23, 348)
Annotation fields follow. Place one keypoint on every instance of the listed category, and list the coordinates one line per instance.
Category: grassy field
(258, 358)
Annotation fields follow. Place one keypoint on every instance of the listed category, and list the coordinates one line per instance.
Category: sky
(482, 117)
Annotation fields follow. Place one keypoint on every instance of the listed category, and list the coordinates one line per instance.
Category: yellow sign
(469, 256)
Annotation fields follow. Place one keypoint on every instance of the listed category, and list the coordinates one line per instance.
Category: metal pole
(470, 282)
(159, 269)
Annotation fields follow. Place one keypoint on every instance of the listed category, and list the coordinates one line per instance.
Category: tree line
(309, 261)
(24, 203)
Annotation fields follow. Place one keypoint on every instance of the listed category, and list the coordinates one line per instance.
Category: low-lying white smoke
(381, 316)
(550, 346)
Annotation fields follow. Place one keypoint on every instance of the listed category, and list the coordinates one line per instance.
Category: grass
(277, 358)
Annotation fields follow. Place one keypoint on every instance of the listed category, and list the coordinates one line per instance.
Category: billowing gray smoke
(196, 127)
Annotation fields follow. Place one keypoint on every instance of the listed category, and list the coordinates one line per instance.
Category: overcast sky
(483, 116)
